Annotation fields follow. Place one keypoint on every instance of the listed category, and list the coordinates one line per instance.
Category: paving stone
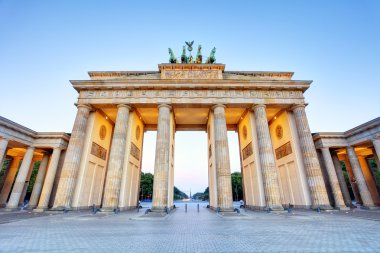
(300, 231)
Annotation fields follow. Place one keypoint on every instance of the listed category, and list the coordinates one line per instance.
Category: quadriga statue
(172, 58)
(184, 58)
(198, 59)
(211, 58)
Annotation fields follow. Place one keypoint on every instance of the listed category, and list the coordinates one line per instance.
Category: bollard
(185, 208)
(198, 208)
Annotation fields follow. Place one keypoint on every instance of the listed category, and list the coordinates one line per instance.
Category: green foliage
(3, 170)
(206, 194)
(237, 186)
(146, 188)
(33, 176)
(375, 171)
(198, 196)
(179, 194)
(146, 185)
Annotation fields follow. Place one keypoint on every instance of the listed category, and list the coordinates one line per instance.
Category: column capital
(124, 105)
(165, 105)
(84, 106)
(295, 106)
(258, 106)
(217, 105)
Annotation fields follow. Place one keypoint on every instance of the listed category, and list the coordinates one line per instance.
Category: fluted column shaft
(72, 161)
(222, 160)
(360, 180)
(161, 163)
(10, 177)
(267, 160)
(20, 179)
(39, 181)
(116, 159)
(314, 176)
(354, 185)
(333, 178)
(376, 145)
(341, 180)
(49, 180)
(3, 151)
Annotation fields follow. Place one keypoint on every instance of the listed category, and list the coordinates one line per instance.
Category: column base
(274, 208)
(11, 209)
(369, 207)
(109, 209)
(60, 209)
(39, 210)
(31, 207)
(322, 207)
(343, 208)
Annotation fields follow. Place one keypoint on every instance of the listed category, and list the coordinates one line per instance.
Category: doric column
(20, 179)
(354, 185)
(73, 157)
(319, 197)
(39, 181)
(10, 177)
(267, 161)
(3, 151)
(116, 159)
(49, 180)
(376, 146)
(161, 164)
(222, 160)
(341, 180)
(360, 180)
(333, 179)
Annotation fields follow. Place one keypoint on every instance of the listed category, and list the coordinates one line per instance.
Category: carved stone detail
(283, 150)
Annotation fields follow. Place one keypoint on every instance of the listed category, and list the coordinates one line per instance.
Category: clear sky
(43, 44)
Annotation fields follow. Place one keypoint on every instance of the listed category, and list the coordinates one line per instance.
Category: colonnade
(354, 166)
(17, 176)
(163, 168)
(163, 159)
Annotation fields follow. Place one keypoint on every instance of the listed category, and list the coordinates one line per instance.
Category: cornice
(185, 84)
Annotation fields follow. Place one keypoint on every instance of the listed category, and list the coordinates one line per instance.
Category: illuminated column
(20, 179)
(73, 157)
(341, 179)
(162, 164)
(10, 177)
(314, 176)
(39, 182)
(376, 146)
(360, 180)
(354, 185)
(49, 180)
(3, 151)
(116, 160)
(222, 160)
(267, 161)
(335, 187)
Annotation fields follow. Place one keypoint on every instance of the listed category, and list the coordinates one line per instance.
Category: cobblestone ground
(300, 231)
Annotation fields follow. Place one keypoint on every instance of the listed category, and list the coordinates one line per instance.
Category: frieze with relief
(247, 151)
(283, 150)
(98, 151)
(262, 94)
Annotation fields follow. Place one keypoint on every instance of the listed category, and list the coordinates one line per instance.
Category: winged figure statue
(189, 45)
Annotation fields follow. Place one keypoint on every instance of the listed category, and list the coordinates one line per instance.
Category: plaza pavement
(299, 231)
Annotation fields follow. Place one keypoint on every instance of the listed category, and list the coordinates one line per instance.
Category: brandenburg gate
(100, 162)
(267, 109)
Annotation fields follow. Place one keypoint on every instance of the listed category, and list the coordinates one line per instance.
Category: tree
(146, 185)
(237, 188)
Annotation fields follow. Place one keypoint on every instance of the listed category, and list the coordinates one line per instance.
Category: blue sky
(43, 44)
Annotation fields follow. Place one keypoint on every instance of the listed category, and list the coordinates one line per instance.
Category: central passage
(190, 160)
